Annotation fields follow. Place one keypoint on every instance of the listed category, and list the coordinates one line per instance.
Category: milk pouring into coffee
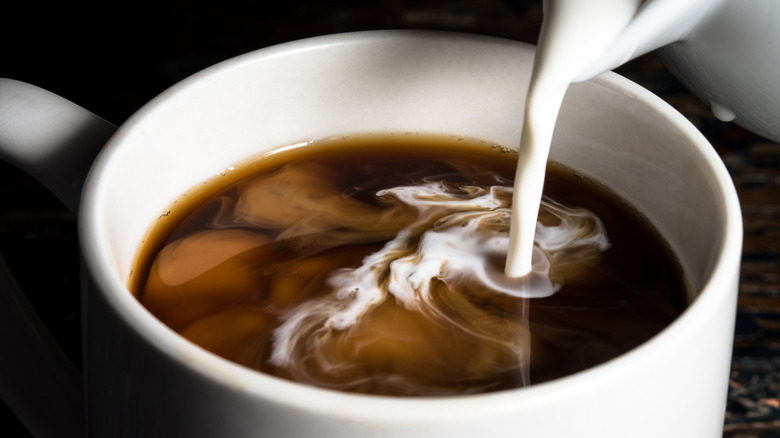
(574, 35)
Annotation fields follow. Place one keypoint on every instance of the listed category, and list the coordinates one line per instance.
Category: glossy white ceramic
(726, 52)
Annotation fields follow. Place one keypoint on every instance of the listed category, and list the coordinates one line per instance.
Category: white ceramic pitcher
(727, 52)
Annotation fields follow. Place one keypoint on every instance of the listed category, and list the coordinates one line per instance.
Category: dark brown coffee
(373, 264)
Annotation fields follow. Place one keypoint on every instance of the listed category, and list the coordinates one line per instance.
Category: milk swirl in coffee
(374, 264)
(458, 234)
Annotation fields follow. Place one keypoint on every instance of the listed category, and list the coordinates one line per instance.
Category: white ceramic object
(732, 62)
(727, 52)
(142, 379)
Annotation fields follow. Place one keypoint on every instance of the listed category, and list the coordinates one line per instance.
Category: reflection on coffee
(374, 264)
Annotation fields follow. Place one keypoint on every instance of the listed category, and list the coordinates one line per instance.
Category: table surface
(113, 58)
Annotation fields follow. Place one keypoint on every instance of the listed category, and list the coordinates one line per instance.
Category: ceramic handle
(55, 141)
(49, 137)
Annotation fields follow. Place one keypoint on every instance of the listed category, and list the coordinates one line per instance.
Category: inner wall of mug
(417, 83)
(623, 136)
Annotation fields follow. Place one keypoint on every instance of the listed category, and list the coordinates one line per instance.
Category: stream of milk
(573, 36)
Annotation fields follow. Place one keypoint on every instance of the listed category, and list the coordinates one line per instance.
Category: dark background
(112, 57)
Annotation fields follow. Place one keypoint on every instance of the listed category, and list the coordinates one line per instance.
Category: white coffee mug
(144, 380)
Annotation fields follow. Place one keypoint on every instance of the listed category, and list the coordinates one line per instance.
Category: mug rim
(305, 397)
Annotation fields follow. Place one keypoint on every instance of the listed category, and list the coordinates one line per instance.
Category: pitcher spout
(657, 23)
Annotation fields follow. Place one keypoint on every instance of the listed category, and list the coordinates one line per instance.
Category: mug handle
(55, 141)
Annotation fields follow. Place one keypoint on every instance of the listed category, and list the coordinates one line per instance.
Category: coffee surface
(374, 264)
